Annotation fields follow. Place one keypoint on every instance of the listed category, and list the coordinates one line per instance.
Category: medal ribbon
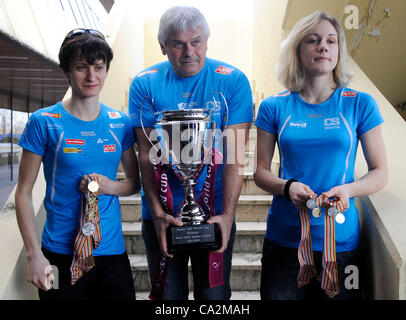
(207, 199)
(83, 260)
(166, 198)
(329, 275)
(305, 254)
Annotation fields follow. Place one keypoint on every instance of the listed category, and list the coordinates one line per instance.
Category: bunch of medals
(335, 208)
(91, 207)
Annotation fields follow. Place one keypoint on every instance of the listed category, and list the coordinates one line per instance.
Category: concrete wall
(383, 212)
(125, 27)
(381, 33)
(13, 262)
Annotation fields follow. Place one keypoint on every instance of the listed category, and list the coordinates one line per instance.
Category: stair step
(245, 272)
(252, 208)
(235, 295)
(249, 237)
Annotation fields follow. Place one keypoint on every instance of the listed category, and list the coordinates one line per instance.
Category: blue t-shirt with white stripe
(167, 91)
(70, 148)
(317, 146)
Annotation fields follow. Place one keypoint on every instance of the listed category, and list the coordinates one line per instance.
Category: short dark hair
(85, 46)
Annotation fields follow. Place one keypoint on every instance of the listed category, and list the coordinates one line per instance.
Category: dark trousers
(110, 279)
(176, 286)
(280, 267)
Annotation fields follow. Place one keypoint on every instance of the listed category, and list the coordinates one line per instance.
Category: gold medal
(91, 214)
(316, 212)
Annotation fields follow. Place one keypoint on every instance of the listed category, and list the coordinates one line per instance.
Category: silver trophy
(186, 140)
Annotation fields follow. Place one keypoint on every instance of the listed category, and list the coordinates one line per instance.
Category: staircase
(251, 217)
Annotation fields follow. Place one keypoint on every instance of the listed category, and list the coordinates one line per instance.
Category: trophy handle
(142, 124)
(225, 101)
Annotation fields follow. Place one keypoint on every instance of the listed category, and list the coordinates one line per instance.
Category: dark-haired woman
(80, 142)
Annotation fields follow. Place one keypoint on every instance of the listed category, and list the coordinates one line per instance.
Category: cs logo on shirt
(332, 123)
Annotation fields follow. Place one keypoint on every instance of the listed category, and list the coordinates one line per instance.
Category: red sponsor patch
(146, 72)
(114, 115)
(53, 115)
(349, 93)
(75, 141)
(110, 148)
(224, 70)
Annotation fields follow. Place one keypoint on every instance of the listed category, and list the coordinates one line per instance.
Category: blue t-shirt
(171, 92)
(317, 146)
(71, 148)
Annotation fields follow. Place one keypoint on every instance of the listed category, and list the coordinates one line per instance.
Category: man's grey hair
(179, 19)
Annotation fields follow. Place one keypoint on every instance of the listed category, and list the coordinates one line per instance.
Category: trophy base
(193, 237)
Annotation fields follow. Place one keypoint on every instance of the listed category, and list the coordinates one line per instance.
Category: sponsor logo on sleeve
(72, 150)
(109, 148)
(116, 125)
(75, 141)
(224, 70)
(147, 72)
(114, 114)
(349, 93)
(53, 115)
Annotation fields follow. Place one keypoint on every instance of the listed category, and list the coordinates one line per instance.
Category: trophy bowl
(186, 140)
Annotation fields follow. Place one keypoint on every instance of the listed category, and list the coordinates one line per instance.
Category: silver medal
(332, 212)
(93, 186)
(88, 229)
(311, 204)
(340, 218)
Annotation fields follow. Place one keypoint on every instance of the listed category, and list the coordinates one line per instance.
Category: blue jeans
(280, 267)
(176, 286)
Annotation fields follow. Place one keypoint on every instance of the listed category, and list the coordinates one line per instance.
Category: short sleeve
(140, 104)
(128, 138)
(369, 115)
(240, 105)
(34, 137)
(266, 117)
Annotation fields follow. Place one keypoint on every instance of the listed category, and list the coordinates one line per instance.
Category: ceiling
(29, 79)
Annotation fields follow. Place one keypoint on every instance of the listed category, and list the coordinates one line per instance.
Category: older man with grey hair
(190, 80)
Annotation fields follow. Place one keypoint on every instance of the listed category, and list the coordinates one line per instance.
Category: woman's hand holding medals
(334, 208)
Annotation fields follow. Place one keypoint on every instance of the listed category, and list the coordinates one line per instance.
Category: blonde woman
(317, 124)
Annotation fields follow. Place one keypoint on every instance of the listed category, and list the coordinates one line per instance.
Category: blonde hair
(289, 69)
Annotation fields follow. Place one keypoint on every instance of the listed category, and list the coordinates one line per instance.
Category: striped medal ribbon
(89, 233)
(166, 199)
(305, 254)
(329, 275)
